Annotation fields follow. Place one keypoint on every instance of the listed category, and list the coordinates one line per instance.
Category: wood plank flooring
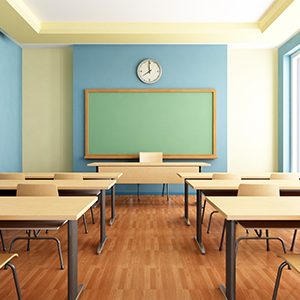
(150, 254)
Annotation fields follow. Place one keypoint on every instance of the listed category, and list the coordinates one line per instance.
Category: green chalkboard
(122, 123)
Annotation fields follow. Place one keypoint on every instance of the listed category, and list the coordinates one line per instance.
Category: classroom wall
(184, 66)
(10, 105)
(252, 110)
(47, 109)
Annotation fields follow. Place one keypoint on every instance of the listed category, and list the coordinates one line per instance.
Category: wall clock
(149, 71)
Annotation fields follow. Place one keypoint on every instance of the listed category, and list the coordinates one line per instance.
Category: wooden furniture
(207, 176)
(256, 190)
(148, 173)
(290, 260)
(152, 157)
(12, 176)
(139, 121)
(5, 262)
(230, 188)
(36, 190)
(53, 208)
(8, 187)
(271, 209)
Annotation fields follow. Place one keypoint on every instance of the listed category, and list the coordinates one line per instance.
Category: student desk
(52, 208)
(9, 187)
(284, 209)
(149, 173)
(86, 176)
(208, 176)
(230, 188)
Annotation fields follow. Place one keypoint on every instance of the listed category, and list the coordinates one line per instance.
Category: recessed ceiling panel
(217, 11)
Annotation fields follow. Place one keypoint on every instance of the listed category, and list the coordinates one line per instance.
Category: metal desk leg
(113, 205)
(186, 203)
(198, 237)
(229, 290)
(74, 290)
(101, 198)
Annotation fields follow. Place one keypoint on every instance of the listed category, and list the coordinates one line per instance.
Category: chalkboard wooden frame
(135, 155)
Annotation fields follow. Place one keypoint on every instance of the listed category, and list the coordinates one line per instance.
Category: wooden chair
(5, 262)
(218, 176)
(256, 190)
(153, 157)
(35, 190)
(287, 176)
(76, 176)
(9, 176)
(290, 260)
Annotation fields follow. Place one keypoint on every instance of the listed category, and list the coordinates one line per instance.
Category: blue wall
(184, 66)
(284, 99)
(10, 106)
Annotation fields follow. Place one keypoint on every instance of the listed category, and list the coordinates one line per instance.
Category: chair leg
(294, 239)
(138, 192)
(260, 238)
(277, 282)
(203, 210)
(13, 269)
(167, 188)
(42, 238)
(209, 221)
(28, 240)
(92, 215)
(267, 240)
(163, 190)
(84, 224)
(2, 241)
(222, 237)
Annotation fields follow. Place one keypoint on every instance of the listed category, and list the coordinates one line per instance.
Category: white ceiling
(199, 11)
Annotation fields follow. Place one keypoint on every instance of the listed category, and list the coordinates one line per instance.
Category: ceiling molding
(26, 14)
(276, 9)
(266, 33)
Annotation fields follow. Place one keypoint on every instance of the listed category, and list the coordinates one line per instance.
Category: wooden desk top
(234, 184)
(257, 208)
(139, 164)
(194, 175)
(44, 208)
(62, 184)
(86, 175)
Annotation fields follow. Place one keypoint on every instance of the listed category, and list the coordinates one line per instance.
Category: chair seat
(31, 225)
(268, 224)
(293, 260)
(6, 257)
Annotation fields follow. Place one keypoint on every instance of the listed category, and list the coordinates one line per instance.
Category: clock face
(149, 71)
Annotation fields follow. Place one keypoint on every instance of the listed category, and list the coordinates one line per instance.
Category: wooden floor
(150, 254)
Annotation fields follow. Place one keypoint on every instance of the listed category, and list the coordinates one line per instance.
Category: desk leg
(229, 290)
(198, 237)
(113, 205)
(186, 203)
(74, 290)
(102, 222)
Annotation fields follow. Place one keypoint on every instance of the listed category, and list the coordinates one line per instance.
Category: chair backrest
(283, 176)
(12, 176)
(225, 176)
(68, 176)
(258, 190)
(151, 157)
(42, 189)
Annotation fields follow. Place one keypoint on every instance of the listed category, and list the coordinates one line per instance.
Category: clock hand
(149, 66)
(148, 72)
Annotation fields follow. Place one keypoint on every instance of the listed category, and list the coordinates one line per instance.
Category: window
(295, 112)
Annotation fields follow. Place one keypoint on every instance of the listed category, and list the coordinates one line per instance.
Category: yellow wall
(252, 110)
(47, 109)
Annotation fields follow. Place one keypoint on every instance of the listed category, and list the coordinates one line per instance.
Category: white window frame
(295, 112)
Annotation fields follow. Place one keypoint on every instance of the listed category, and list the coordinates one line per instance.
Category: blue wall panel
(10, 106)
(184, 66)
